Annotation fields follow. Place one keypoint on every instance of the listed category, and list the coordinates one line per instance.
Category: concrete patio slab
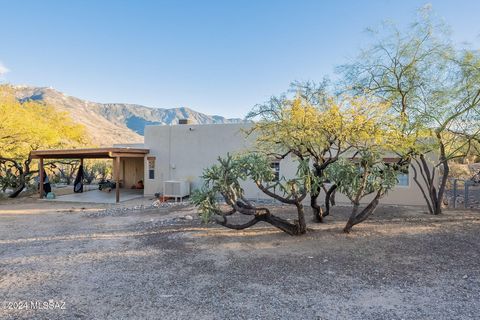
(97, 196)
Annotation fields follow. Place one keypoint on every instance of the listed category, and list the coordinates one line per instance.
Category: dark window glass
(276, 170)
(151, 168)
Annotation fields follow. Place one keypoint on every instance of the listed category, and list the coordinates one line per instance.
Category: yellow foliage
(31, 125)
(349, 123)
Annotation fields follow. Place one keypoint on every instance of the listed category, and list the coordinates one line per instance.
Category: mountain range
(110, 123)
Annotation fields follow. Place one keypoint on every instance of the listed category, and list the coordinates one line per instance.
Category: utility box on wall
(176, 189)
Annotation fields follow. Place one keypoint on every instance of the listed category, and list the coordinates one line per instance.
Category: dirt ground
(157, 264)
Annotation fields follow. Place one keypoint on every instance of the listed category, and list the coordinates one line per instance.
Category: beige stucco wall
(399, 195)
(183, 151)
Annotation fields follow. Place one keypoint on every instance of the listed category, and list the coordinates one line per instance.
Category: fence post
(465, 199)
(454, 193)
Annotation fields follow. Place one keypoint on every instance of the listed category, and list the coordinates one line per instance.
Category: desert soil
(155, 264)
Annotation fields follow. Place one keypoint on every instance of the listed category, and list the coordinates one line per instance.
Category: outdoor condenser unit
(176, 189)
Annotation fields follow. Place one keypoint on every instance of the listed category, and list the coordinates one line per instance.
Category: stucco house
(181, 152)
(174, 156)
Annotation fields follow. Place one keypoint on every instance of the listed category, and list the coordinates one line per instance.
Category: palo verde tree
(364, 172)
(225, 180)
(29, 126)
(319, 127)
(433, 91)
(308, 125)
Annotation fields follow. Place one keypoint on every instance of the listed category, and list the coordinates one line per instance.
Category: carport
(128, 157)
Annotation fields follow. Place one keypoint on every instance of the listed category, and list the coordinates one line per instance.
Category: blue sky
(217, 57)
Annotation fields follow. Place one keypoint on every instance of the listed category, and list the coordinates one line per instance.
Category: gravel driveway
(153, 264)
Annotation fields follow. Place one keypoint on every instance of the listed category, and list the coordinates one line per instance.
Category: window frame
(151, 161)
(403, 172)
(275, 166)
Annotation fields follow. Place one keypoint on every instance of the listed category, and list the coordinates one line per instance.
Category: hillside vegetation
(112, 123)
(27, 126)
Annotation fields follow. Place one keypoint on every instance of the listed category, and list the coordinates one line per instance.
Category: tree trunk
(263, 214)
(314, 194)
(23, 173)
(351, 219)
(422, 190)
(284, 225)
(17, 190)
(302, 224)
(318, 212)
(443, 182)
(316, 209)
(432, 196)
(280, 223)
(332, 196)
(363, 215)
(330, 199)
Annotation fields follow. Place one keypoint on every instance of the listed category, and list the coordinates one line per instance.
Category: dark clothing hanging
(47, 188)
(78, 184)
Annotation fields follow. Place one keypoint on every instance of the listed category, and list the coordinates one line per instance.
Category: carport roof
(91, 153)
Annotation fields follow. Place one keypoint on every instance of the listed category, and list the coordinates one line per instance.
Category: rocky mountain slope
(113, 122)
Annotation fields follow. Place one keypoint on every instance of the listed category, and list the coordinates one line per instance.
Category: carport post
(117, 179)
(41, 177)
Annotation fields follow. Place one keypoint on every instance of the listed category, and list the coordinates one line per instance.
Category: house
(180, 153)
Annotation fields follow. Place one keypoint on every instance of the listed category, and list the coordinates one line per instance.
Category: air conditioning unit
(176, 189)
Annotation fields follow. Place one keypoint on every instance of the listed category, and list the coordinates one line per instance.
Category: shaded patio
(124, 161)
(98, 196)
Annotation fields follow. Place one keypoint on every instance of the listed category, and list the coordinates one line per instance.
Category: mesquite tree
(66, 170)
(359, 177)
(225, 179)
(454, 122)
(14, 174)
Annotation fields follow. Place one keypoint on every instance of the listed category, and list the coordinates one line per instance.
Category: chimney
(184, 121)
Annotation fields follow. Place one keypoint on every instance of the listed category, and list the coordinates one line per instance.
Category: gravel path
(156, 264)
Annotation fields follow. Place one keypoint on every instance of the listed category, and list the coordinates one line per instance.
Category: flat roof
(90, 153)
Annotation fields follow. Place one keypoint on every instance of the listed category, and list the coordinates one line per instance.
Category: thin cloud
(3, 69)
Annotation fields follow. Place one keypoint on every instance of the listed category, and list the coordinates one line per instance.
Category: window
(276, 170)
(151, 167)
(403, 177)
